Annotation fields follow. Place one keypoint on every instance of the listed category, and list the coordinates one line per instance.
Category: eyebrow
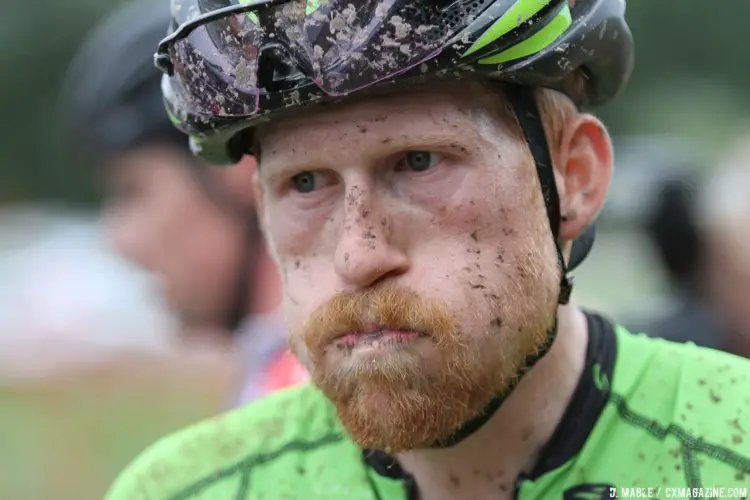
(378, 147)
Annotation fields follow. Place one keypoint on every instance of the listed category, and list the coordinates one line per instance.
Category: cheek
(134, 231)
(307, 284)
(498, 268)
(298, 227)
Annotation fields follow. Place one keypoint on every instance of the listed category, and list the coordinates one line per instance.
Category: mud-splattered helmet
(233, 64)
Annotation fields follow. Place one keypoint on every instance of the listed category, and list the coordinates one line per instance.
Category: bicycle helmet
(111, 96)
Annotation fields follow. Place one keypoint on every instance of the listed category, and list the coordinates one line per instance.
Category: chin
(402, 399)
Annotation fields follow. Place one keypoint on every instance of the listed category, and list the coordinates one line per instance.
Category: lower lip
(377, 340)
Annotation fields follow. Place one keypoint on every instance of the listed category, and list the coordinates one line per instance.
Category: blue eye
(304, 182)
(419, 161)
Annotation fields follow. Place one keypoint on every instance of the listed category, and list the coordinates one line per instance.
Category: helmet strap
(524, 105)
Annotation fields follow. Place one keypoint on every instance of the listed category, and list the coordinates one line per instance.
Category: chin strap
(524, 105)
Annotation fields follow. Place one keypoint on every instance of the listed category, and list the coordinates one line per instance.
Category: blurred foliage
(690, 79)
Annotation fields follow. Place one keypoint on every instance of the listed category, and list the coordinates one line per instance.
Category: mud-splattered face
(418, 267)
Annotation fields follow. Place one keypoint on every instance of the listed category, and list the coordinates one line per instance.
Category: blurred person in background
(671, 227)
(724, 217)
(192, 225)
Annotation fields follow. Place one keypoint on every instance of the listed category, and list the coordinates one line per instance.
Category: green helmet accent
(537, 42)
(519, 13)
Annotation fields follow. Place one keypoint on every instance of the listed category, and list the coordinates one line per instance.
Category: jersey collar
(579, 419)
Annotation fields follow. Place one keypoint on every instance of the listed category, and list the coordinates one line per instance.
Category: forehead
(441, 113)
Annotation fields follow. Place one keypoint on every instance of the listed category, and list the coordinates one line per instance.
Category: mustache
(382, 308)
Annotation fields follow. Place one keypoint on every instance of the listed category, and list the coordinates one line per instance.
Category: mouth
(377, 338)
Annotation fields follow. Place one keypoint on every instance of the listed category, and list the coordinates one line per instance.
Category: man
(191, 225)
(671, 227)
(399, 187)
(724, 217)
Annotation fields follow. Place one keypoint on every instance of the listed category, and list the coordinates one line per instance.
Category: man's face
(159, 217)
(419, 270)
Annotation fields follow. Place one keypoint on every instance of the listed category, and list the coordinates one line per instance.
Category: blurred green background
(64, 436)
(690, 80)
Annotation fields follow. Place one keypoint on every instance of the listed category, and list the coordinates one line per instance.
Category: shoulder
(218, 455)
(685, 402)
(714, 381)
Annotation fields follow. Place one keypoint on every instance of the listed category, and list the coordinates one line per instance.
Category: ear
(583, 173)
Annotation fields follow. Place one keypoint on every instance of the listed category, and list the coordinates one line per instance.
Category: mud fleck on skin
(715, 398)
(497, 322)
(353, 197)
(735, 424)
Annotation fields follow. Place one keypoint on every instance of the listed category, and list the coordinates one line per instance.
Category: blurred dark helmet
(113, 104)
(112, 95)
(672, 227)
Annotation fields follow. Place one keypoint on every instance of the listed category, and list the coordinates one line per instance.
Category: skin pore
(419, 272)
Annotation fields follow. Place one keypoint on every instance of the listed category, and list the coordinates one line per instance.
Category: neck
(266, 293)
(488, 462)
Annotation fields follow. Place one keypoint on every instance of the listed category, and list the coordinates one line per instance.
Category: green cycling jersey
(647, 413)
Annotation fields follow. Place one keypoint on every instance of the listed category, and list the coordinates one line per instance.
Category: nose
(365, 253)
